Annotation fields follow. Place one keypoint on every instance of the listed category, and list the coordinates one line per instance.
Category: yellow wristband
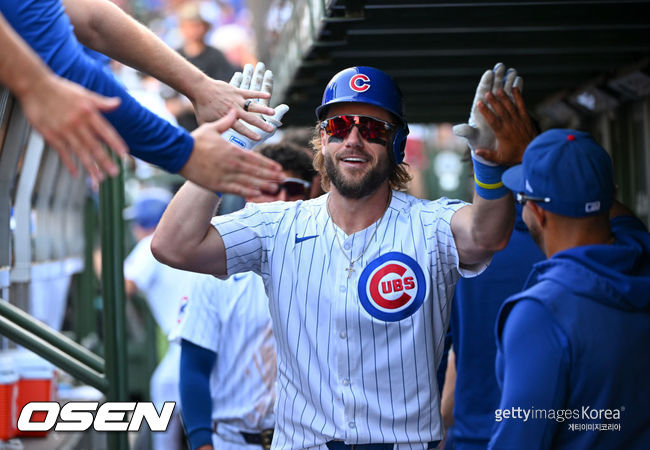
(487, 185)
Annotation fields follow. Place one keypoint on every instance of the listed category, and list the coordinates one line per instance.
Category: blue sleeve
(149, 137)
(196, 402)
(533, 364)
(46, 28)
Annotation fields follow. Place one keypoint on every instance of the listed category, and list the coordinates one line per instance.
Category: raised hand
(215, 98)
(70, 120)
(507, 117)
(221, 166)
(258, 80)
(477, 131)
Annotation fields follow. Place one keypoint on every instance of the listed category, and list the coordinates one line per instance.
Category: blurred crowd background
(220, 37)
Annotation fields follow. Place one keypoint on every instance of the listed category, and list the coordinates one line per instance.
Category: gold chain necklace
(350, 268)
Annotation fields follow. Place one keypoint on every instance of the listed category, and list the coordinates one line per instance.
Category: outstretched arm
(102, 26)
(184, 237)
(67, 115)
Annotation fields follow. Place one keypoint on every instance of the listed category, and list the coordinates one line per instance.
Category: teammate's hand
(512, 126)
(477, 131)
(220, 166)
(70, 120)
(258, 80)
(215, 98)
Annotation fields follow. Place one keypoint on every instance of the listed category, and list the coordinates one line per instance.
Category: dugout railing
(46, 229)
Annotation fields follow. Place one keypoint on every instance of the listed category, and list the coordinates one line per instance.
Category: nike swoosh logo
(299, 239)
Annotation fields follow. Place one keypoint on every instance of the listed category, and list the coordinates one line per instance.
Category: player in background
(162, 288)
(228, 359)
(581, 375)
(359, 280)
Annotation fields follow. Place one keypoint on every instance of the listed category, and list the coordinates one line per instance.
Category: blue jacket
(572, 359)
(46, 28)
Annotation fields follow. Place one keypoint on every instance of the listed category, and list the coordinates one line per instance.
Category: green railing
(32, 181)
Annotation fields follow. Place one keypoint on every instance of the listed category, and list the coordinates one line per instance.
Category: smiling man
(360, 279)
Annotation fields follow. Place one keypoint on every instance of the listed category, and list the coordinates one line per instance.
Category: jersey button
(347, 246)
(352, 424)
(346, 382)
(342, 288)
(343, 335)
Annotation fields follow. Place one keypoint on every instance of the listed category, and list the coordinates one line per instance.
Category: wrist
(200, 438)
(40, 80)
(487, 180)
(195, 85)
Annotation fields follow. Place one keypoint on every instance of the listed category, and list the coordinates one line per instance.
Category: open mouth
(354, 161)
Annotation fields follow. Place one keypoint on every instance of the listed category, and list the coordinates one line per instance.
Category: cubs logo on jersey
(360, 83)
(392, 287)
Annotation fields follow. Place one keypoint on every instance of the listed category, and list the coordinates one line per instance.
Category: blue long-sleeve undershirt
(196, 403)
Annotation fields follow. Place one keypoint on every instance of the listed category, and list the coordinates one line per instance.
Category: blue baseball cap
(148, 208)
(568, 171)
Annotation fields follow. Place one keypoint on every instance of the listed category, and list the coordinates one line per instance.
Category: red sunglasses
(369, 127)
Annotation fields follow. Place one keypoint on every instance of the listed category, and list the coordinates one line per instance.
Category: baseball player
(579, 379)
(228, 368)
(359, 280)
(162, 287)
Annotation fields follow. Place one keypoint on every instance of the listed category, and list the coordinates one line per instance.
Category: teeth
(354, 160)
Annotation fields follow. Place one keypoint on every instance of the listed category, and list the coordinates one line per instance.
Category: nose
(282, 195)
(354, 138)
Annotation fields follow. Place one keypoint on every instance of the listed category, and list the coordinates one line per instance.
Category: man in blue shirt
(474, 311)
(572, 357)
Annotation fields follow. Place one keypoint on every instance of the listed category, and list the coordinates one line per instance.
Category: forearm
(20, 67)
(102, 26)
(482, 228)
(492, 222)
(184, 229)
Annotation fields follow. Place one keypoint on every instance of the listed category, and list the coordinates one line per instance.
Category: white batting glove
(477, 132)
(258, 80)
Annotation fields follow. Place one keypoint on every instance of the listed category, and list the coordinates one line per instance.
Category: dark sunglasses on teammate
(293, 187)
(370, 128)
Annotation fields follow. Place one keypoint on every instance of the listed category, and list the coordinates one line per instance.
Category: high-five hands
(258, 80)
(499, 127)
(220, 166)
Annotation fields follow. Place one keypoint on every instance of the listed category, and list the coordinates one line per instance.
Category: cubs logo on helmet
(392, 287)
(360, 82)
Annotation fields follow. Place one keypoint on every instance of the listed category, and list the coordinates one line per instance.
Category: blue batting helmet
(375, 87)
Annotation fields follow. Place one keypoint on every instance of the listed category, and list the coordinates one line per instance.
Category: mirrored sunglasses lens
(339, 126)
(372, 128)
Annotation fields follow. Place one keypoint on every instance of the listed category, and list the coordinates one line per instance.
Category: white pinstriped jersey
(231, 318)
(357, 356)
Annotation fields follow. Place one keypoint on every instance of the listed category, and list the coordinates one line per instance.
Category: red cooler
(35, 384)
(8, 397)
